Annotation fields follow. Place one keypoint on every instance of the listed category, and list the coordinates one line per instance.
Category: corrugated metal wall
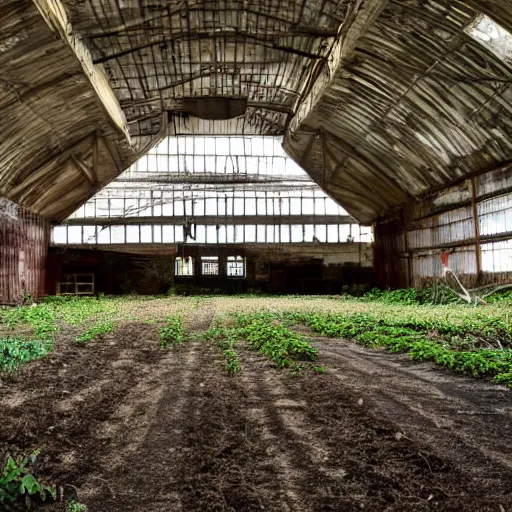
(24, 240)
(471, 222)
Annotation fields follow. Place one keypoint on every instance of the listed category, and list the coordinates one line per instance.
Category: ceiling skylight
(492, 35)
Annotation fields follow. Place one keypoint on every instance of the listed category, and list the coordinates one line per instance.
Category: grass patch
(39, 321)
(28, 332)
(96, 331)
(28, 335)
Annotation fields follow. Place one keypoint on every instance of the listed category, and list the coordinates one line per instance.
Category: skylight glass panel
(492, 35)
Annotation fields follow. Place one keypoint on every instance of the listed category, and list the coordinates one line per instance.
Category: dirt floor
(135, 428)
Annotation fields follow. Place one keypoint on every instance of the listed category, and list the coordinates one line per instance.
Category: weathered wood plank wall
(470, 222)
(24, 240)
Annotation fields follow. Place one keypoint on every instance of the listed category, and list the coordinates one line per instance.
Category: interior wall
(468, 225)
(24, 239)
(115, 273)
(149, 268)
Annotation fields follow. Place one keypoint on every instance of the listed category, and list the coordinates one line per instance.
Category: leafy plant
(232, 362)
(172, 331)
(283, 346)
(18, 484)
(14, 352)
(263, 332)
(455, 346)
(98, 329)
(76, 506)
(227, 344)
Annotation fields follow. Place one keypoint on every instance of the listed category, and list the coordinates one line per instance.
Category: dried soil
(139, 429)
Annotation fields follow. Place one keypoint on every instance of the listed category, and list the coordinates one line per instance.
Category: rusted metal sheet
(24, 239)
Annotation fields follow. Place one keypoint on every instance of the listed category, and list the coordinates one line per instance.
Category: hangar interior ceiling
(379, 101)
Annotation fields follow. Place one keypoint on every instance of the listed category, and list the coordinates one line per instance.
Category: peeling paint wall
(24, 240)
(470, 222)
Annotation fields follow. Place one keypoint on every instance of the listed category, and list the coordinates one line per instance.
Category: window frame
(205, 260)
(188, 262)
(236, 260)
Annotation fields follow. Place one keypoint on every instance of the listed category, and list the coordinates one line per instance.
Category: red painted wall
(24, 239)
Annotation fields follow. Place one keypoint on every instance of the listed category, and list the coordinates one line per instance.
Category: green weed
(504, 378)
(14, 352)
(227, 345)
(280, 344)
(34, 327)
(76, 506)
(172, 331)
(265, 334)
(455, 346)
(97, 330)
(40, 320)
(232, 362)
(19, 485)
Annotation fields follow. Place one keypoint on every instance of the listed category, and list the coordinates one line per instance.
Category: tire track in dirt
(297, 452)
(288, 473)
(200, 451)
(227, 463)
(459, 419)
(144, 436)
(72, 391)
(316, 473)
(158, 458)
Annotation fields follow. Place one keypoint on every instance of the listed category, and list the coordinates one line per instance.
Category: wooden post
(406, 249)
(95, 158)
(478, 249)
